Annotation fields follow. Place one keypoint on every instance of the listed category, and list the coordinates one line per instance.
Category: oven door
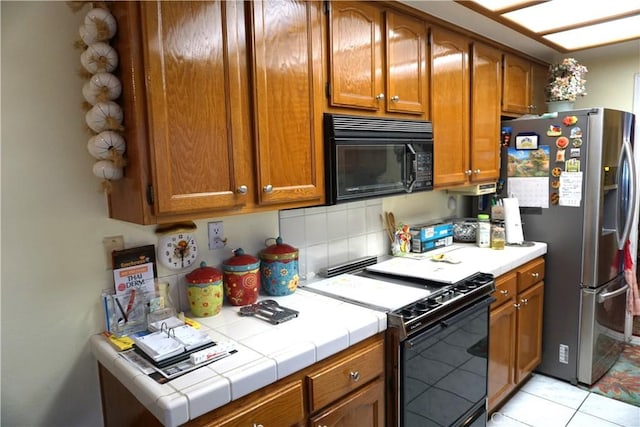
(443, 371)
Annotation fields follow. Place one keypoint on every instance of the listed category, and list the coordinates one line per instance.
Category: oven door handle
(467, 312)
(433, 330)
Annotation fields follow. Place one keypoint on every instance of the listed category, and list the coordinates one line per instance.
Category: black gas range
(448, 299)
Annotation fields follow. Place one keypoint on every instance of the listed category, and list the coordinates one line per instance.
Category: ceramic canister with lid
(241, 278)
(204, 291)
(279, 269)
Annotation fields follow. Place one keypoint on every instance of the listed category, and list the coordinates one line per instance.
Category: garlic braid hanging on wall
(102, 89)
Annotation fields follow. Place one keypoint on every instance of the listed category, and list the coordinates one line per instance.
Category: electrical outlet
(216, 236)
(113, 243)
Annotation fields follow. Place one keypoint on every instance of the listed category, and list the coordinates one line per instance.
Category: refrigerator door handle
(627, 153)
(608, 295)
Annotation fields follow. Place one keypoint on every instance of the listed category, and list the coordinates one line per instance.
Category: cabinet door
(502, 352)
(486, 83)
(407, 77)
(450, 106)
(355, 48)
(539, 75)
(199, 157)
(287, 69)
(363, 408)
(529, 337)
(516, 88)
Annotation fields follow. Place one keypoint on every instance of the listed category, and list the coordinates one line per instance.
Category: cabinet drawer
(530, 274)
(345, 375)
(506, 288)
(280, 407)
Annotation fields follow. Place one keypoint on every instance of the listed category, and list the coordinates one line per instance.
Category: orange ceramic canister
(204, 291)
(241, 278)
(279, 269)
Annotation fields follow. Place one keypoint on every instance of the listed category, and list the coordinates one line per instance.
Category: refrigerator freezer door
(601, 329)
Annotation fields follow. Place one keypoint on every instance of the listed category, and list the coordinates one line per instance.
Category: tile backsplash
(328, 235)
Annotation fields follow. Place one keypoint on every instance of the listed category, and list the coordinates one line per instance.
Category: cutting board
(425, 269)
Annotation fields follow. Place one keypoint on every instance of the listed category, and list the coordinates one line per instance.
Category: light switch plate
(113, 243)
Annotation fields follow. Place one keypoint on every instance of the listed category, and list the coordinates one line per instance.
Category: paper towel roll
(512, 221)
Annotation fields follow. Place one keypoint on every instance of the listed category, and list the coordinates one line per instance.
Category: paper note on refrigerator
(512, 221)
(570, 189)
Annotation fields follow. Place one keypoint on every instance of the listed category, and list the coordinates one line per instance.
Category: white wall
(54, 220)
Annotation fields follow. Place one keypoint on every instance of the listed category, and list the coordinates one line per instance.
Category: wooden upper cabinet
(375, 67)
(517, 85)
(355, 47)
(191, 76)
(539, 75)
(407, 70)
(450, 106)
(486, 84)
(287, 69)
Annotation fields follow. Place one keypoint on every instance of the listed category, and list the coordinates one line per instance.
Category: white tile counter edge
(267, 353)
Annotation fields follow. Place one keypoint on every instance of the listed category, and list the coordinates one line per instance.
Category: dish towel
(633, 302)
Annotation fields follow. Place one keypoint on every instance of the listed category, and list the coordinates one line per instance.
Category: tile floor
(548, 402)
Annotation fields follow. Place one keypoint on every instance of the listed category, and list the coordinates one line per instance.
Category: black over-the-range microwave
(369, 157)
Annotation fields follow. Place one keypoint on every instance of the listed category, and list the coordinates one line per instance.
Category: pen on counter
(121, 309)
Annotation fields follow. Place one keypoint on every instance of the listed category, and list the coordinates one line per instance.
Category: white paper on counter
(512, 221)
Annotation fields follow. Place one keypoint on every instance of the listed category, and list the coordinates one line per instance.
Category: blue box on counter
(426, 232)
(419, 246)
(426, 237)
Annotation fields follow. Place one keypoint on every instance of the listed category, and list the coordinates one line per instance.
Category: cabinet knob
(355, 376)
(517, 306)
(257, 425)
(267, 188)
(242, 189)
(524, 301)
(535, 275)
(380, 96)
(504, 292)
(395, 98)
(468, 172)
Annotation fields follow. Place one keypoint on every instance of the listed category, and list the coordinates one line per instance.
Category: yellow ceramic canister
(204, 291)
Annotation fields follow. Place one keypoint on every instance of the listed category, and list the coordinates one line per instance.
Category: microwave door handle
(626, 153)
(411, 169)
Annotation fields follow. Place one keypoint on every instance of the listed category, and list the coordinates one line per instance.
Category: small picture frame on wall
(527, 141)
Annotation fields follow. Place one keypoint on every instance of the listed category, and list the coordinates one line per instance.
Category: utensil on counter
(269, 310)
(390, 222)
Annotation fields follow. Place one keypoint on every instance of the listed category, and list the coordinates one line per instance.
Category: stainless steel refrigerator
(576, 185)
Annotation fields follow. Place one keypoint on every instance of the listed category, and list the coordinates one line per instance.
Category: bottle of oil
(483, 233)
(497, 235)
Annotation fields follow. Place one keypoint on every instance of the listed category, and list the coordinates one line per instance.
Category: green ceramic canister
(204, 291)
(279, 269)
(241, 278)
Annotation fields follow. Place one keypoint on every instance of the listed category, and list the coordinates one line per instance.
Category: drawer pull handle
(504, 292)
(355, 376)
(535, 275)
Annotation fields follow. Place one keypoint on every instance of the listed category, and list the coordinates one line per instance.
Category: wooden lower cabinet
(347, 389)
(515, 337)
(364, 408)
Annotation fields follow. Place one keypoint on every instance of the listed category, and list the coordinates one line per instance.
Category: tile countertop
(267, 353)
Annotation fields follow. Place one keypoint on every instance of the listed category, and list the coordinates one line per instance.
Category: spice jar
(483, 233)
(204, 291)
(497, 236)
(279, 269)
(241, 278)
